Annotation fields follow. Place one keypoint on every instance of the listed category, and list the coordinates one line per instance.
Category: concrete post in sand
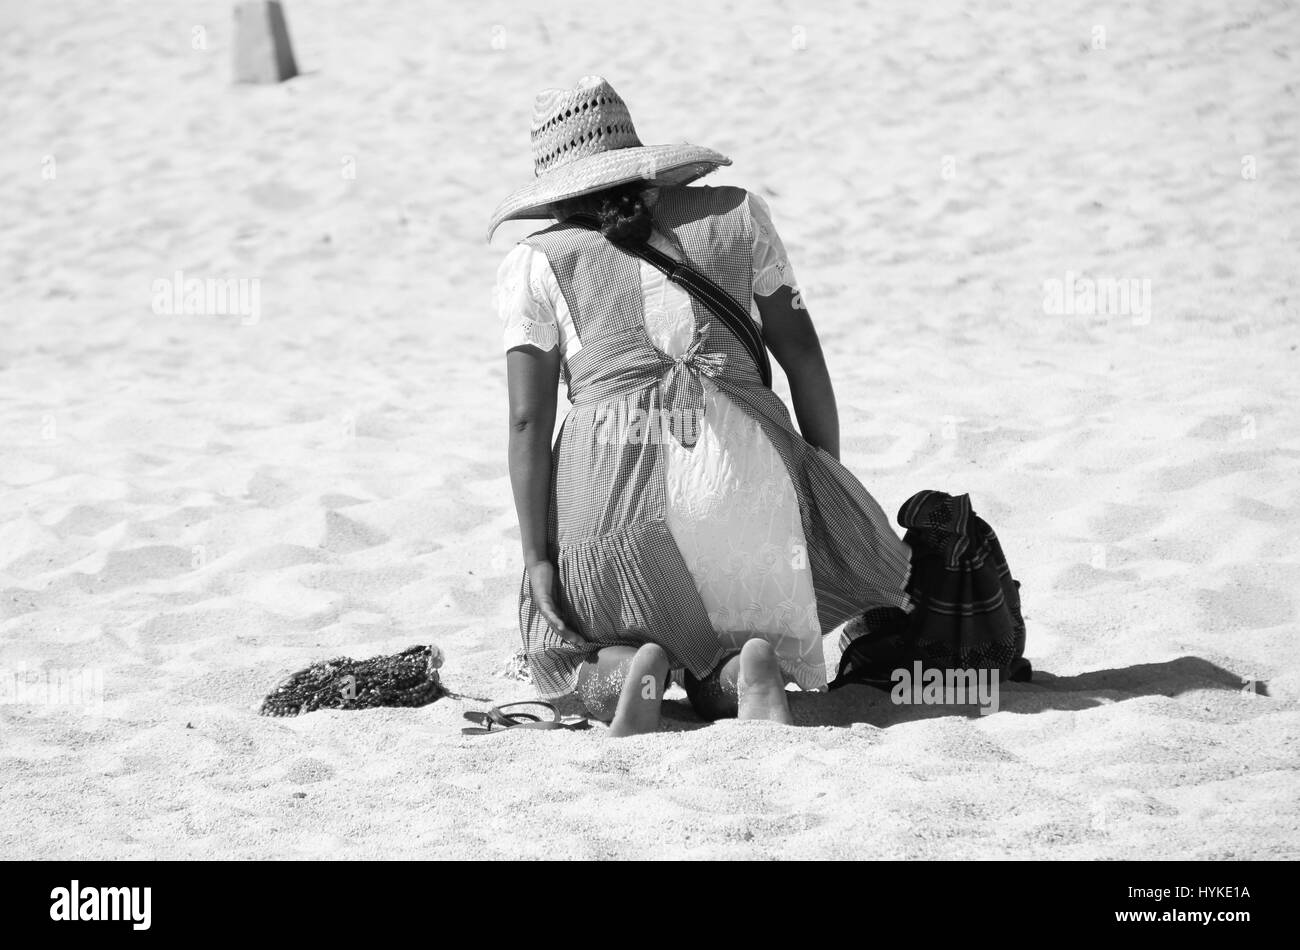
(262, 50)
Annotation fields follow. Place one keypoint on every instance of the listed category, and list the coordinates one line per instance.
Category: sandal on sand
(497, 719)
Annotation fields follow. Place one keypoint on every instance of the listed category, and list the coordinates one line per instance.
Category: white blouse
(533, 310)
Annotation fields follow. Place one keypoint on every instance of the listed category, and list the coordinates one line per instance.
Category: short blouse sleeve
(526, 311)
(771, 265)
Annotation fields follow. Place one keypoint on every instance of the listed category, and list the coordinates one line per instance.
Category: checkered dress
(622, 579)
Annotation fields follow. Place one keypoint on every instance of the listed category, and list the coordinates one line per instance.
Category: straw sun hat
(583, 141)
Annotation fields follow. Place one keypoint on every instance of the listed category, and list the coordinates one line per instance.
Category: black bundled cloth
(966, 612)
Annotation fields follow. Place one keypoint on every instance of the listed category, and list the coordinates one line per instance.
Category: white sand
(194, 507)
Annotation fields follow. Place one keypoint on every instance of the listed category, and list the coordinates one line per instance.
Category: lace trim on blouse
(524, 306)
(772, 268)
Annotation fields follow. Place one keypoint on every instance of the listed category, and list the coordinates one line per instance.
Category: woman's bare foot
(761, 689)
(642, 696)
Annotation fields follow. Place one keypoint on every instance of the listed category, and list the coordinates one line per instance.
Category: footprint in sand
(344, 535)
(136, 566)
(1085, 577)
(1118, 522)
(308, 771)
(277, 196)
(1251, 606)
(1224, 428)
(1176, 477)
(1257, 510)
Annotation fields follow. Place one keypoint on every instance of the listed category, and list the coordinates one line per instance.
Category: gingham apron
(622, 579)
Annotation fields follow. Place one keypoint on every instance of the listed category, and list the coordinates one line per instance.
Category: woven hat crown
(569, 124)
(584, 142)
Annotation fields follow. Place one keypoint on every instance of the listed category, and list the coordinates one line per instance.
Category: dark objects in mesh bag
(409, 678)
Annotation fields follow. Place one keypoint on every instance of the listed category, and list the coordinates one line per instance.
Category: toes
(758, 660)
(652, 653)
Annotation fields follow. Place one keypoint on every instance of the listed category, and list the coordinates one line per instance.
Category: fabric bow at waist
(678, 401)
(683, 390)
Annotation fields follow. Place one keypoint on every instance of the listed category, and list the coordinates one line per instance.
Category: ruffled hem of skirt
(627, 588)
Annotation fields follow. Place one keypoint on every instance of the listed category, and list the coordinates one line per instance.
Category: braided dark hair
(623, 211)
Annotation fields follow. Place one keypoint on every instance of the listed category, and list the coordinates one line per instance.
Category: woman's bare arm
(532, 376)
(790, 335)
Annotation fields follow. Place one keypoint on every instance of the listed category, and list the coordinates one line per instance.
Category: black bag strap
(716, 300)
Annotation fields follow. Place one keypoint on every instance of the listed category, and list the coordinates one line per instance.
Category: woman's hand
(542, 582)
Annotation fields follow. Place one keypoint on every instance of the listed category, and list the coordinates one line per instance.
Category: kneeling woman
(679, 521)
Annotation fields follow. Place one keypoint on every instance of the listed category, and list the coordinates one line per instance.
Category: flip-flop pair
(497, 719)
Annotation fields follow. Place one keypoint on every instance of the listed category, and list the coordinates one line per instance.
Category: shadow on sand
(866, 704)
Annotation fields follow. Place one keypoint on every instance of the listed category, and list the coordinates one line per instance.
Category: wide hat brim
(666, 164)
